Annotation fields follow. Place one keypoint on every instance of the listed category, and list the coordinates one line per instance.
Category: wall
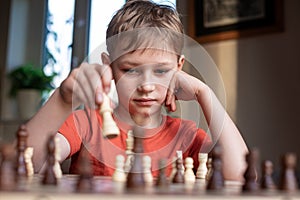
(25, 37)
(262, 81)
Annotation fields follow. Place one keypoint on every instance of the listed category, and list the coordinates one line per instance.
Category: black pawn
(216, 180)
(162, 180)
(250, 174)
(49, 175)
(85, 180)
(22, 136)
(267, 181)
(7, 168)
(178, 176)
(288, 181)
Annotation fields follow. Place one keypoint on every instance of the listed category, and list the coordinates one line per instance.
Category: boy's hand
(182, 87)
(85, 84)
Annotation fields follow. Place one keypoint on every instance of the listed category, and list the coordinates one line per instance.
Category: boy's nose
(146, 87)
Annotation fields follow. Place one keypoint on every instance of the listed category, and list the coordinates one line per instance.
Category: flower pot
(29, 101)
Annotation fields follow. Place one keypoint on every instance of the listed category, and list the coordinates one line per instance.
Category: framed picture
(215, 20)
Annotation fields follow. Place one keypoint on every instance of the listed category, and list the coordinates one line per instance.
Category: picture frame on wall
(215, 20)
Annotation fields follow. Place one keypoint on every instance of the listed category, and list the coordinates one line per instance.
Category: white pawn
(189, 176)
(109, 126)
(180, 156)
(202, 169)
(28, 153)
(119, 174)
(57, 168)
(147, 170)
(129, 143)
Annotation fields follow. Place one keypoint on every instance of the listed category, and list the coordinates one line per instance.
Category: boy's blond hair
(156, 24)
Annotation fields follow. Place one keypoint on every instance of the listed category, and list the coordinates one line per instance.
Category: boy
(144, 42)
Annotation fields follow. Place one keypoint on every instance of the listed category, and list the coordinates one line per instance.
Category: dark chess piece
(22, 136)
(178, 176)
(85, 180)
(288, 181)
(216, 180)
(162, 180)
(135, 177)
(250, 174)
(49, 174)
(7, 168)
(267, 181)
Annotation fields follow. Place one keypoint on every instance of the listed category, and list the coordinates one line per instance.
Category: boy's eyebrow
(132, 63)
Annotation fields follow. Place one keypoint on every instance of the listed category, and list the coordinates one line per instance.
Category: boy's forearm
(45, 122)
(225, 132)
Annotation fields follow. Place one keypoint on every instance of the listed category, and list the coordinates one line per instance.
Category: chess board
(105, 188)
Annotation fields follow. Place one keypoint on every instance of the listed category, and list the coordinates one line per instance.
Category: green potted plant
(28, 83)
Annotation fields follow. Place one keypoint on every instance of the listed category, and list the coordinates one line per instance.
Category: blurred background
(260, 70)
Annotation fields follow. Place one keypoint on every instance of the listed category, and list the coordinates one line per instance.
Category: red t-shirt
(83, 130)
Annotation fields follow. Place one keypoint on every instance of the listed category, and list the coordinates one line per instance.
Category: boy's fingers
(106, 76)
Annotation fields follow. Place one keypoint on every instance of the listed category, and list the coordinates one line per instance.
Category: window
(59, 32)
(59, 36)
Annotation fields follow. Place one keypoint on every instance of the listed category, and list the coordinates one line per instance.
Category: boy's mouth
(145, 101)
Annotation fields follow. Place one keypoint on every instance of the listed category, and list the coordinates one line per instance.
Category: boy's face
(142, 80)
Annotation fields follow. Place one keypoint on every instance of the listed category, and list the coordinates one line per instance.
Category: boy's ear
(181, 62)
(105, 58)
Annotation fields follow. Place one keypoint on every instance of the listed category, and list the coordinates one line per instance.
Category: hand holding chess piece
(109, 126)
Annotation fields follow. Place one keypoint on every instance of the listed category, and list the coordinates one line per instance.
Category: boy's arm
(46, 122)
(84, 85)
(225, 131)
(220, 124)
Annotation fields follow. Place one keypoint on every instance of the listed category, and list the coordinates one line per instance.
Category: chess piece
(202, 169)
(216, 181)
(85, 181)
(267, 181)
(209, 168)
(189, 176)
(22, 136)
(28, 153)
(250, 174)
(135, 177)
(162, 180)
(129, 143)
(288, 181)
(57, 167)
(178, 177)
(179, 155)
(147, 170)
(119, 174)
(173, 172)
(7, 168)
(49, 177)
(129, 152)
(109, 126)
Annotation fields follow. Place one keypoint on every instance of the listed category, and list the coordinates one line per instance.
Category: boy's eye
(161, 71)
(130, 71)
